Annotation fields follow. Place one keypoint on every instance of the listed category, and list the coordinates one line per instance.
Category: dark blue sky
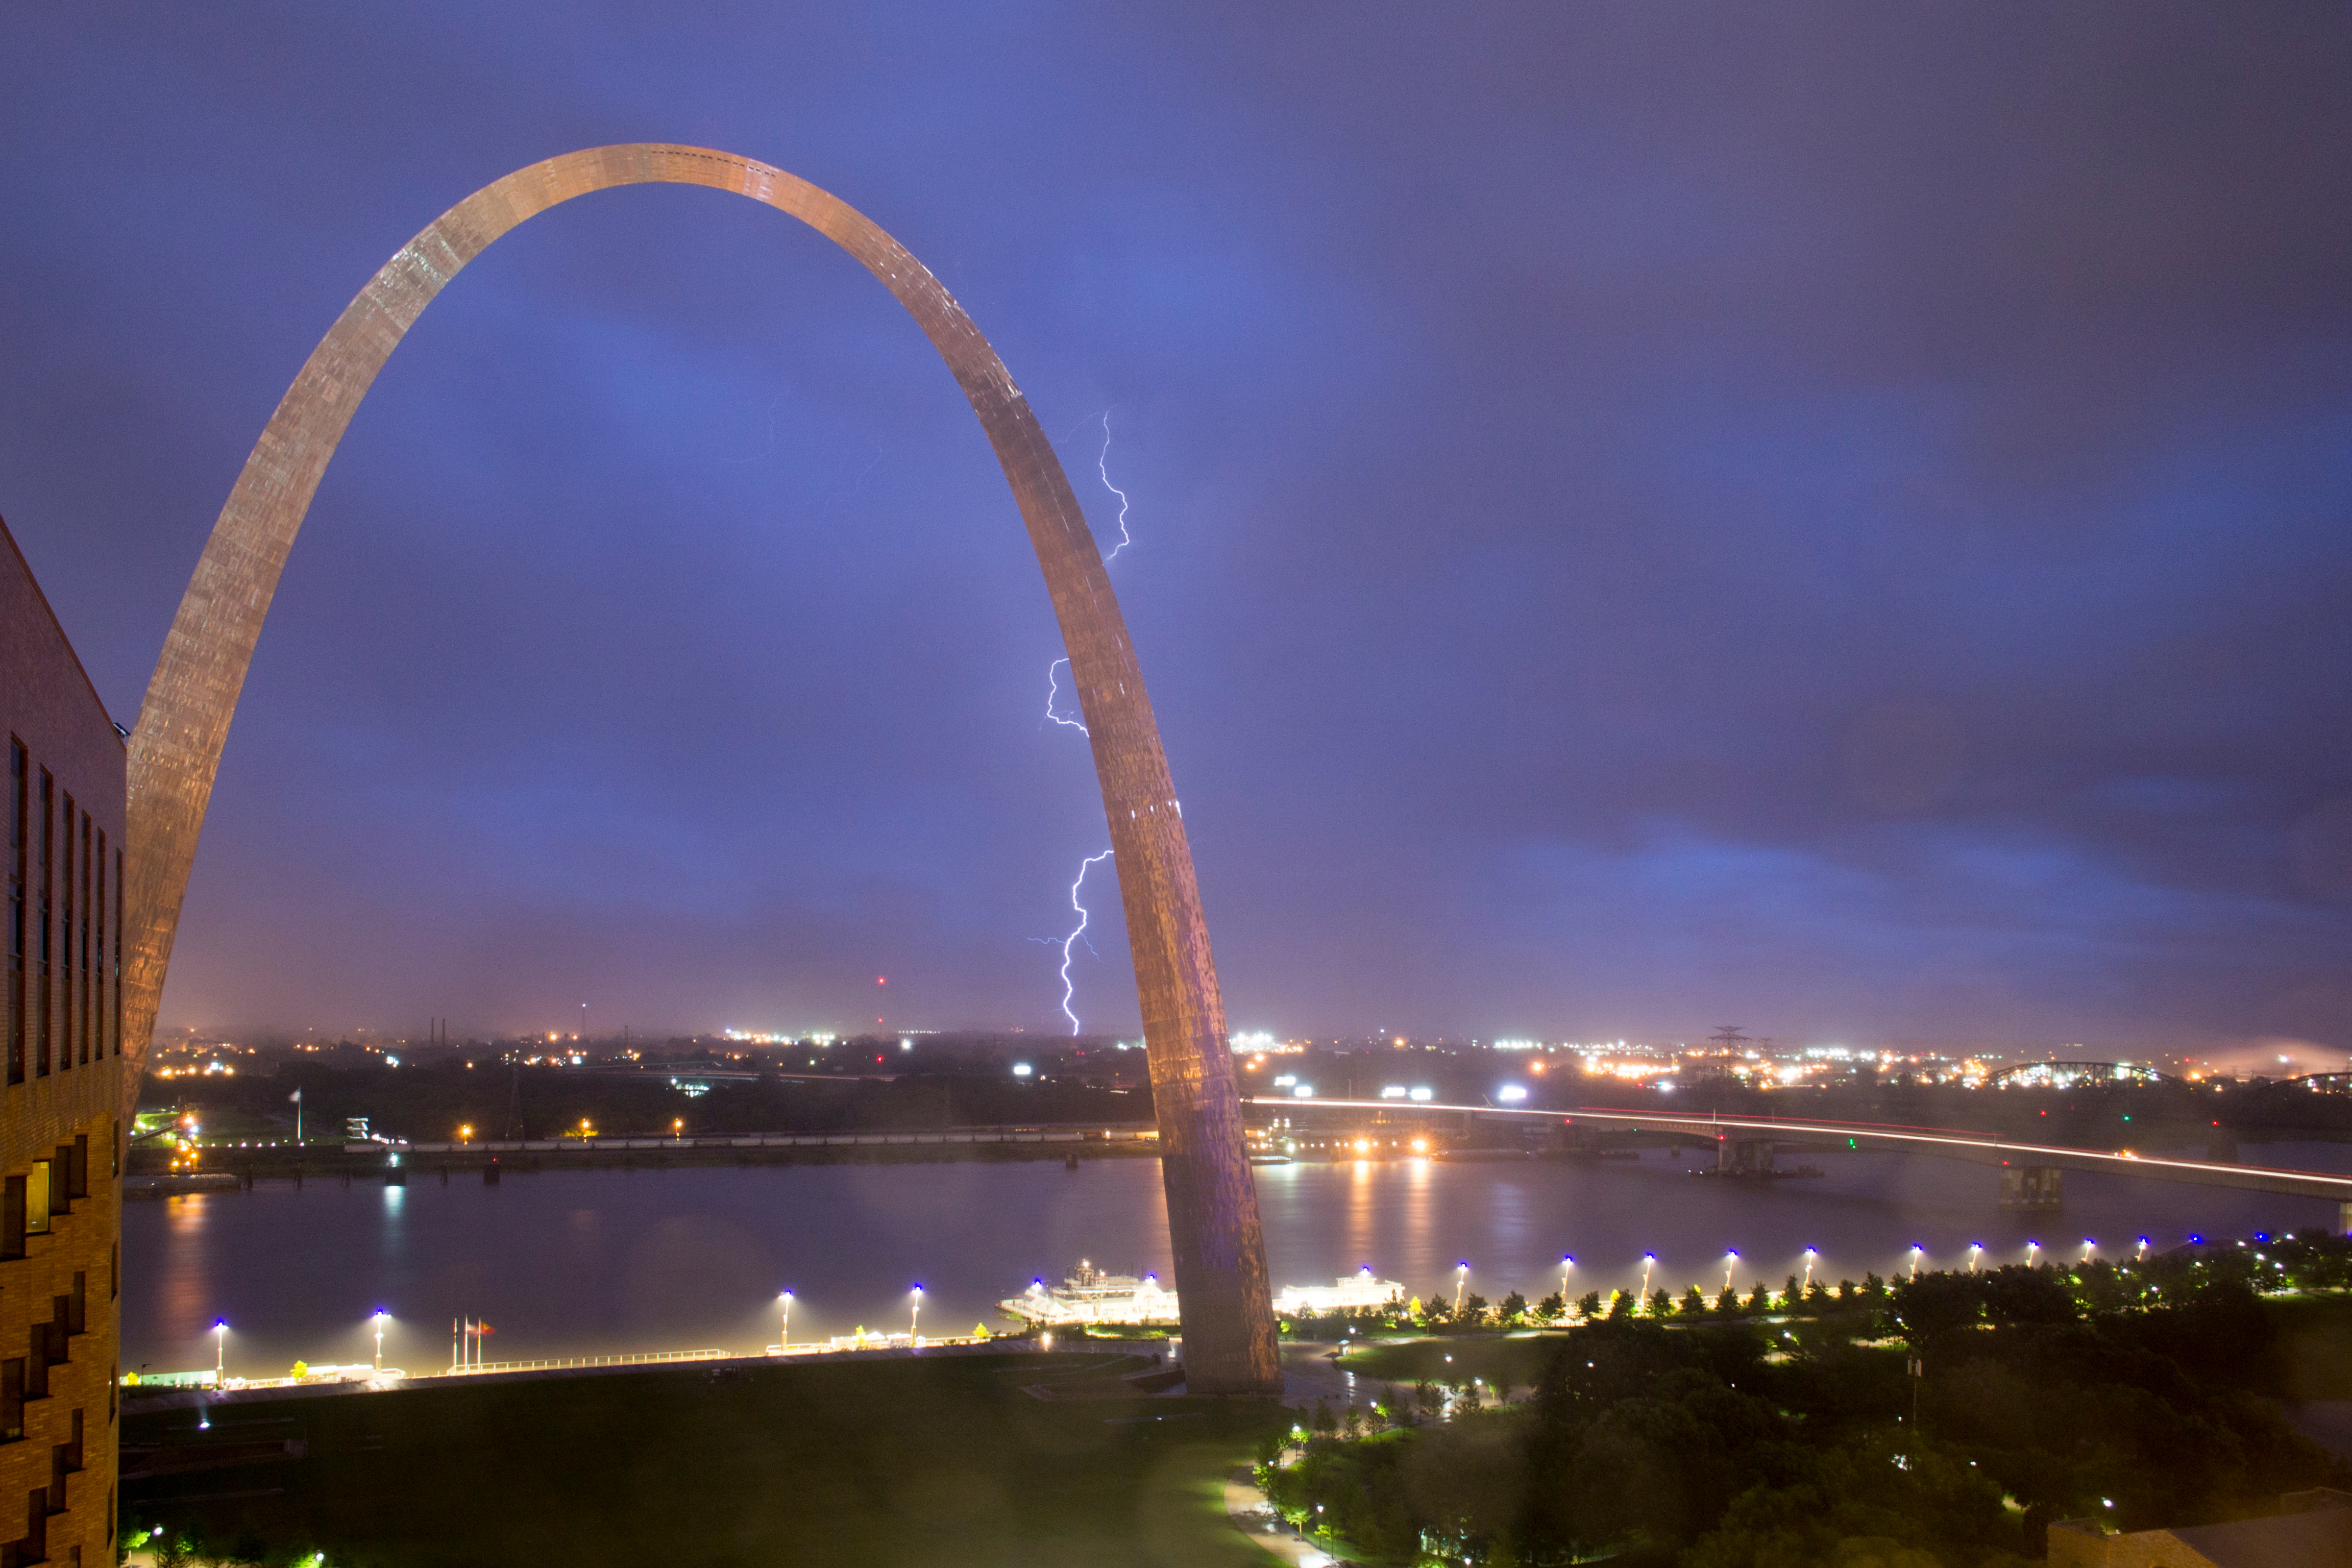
(1645, 516)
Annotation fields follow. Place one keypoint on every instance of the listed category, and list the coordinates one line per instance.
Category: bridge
(2032, 1175)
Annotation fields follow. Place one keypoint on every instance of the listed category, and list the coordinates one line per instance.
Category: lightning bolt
(1078, 934)
(1102, 467)
(1052, 689)
(1053, 692)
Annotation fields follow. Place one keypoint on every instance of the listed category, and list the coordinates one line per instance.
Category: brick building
(61, 1105)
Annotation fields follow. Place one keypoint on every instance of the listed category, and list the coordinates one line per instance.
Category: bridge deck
(1948, 1144)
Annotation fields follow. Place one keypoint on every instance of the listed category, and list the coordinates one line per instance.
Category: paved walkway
(1255, 1518)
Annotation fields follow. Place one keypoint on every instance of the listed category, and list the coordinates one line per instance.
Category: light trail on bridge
(1978, 1148)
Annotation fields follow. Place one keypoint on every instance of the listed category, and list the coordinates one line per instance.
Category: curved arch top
(175, 752)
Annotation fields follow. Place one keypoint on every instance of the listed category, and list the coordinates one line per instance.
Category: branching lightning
(1052, 689)
(1102, 467)
(1053, 692)
(1078, 934)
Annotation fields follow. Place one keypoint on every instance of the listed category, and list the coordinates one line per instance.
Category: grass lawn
(1514, 1359)
(942, 1462)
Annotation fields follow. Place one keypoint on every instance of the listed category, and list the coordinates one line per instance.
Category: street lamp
(1976, 1252)
(1461, 1278)
(914, 1318)
(2143, 1250)
(220, 1353)
(1649, 1260)
(784, 1335)
(2031, 1248)
(1809, 1256)
(2089, 1245)
(1730, 1261)
(1916, 1250)
(380, 1315)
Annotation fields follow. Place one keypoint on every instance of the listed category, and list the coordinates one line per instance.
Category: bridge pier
(1744, 1156)
(2032, 1189)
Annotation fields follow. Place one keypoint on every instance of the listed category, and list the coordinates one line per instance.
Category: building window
(43, 925)
(118, 959)
(37, 1198)
(100, 907)
(12, 1400)
(20, 800)
(81, 970)
(65, 947)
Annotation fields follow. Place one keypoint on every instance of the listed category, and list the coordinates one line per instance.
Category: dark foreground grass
(933, 1461)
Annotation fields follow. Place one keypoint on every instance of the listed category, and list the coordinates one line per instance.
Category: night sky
(1644, 517)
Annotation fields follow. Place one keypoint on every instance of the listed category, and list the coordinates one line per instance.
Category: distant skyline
(1830, 520)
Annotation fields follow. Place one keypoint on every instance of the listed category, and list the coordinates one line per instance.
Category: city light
(220, 1353)
(1511, 1093)
(1649, 1261)
(382, 1318)
(1021, 1069)
(1461, 1278)
(2031, 1248)
(1916, 1251)
(1730, 1261)
(1809, 1267)
(915, 1316)
(1421, 1093)
(2142, 1248)
(1976, 1252)
(784, 1329)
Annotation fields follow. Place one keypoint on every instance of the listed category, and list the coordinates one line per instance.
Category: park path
(1255, 1518)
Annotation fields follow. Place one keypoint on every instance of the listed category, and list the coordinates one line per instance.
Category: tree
(1936, 1304)
(1352, 1422)
(1694, 1302)
(1621, 1305)
(1845, 1292)
(1514, 1308)
(1728, 1302)
(1552, 1308)
(1473, 1309)
(1660, 1302)
(1791, 1295)
(1759, 1299)
(1323, 1423)
(1425, 1396)
(1588, 1305)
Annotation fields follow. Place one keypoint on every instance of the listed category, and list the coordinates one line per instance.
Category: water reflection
(591, 1262)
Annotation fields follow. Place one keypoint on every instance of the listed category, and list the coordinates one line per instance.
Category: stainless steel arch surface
(175, 750)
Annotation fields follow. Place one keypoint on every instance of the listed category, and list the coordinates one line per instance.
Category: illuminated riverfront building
(60, 1110)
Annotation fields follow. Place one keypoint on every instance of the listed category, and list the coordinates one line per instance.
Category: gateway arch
(174, 753)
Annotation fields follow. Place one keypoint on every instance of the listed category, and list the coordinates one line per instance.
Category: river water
(598, 1262)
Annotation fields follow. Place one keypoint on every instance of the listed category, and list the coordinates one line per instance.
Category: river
(598, 1262)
